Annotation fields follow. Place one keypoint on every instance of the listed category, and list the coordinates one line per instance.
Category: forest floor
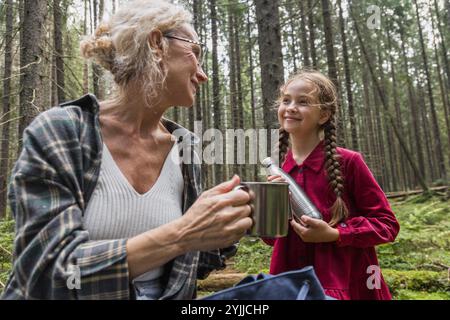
(415, 266)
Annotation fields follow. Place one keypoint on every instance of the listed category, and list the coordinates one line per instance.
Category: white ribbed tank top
(116, 210)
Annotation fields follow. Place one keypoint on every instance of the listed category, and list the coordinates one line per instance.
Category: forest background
(388, 58)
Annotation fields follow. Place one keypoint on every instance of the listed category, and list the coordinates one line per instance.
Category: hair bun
(100, 47)
(103, 30)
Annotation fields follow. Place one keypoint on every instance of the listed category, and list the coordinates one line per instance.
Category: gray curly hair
(121, 45)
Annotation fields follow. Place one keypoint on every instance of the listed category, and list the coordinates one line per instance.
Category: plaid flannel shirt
(50, 186)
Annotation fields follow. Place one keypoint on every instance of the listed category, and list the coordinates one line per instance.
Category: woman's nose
(201, 76)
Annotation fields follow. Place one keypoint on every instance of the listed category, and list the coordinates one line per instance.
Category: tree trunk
(175, 114)
(329, 42)
(197, 23)
(391, 176)
(379, 139)
(366, 145)
(413, 104)
(332, 67)
(95, 67)
(447, 7)
(371, 151)
(240, 98)
(348, 81)
(400, 167)
(196, 111)
(432, 161)
(5, 118)
(85, 64)
(97, 72)
(218, 174)
(292, 36)
(252, 84)
(32, 33)
(234, 109)
(312, 29)
(271, 60)
(58, 50)
(101, 82)
(304, 46)
(205, 96)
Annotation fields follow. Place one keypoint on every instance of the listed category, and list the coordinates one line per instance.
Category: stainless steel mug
(270, 208)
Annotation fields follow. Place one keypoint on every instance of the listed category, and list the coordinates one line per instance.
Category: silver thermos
(300, 202)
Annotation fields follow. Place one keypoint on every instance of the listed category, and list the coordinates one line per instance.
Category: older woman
(103, 209)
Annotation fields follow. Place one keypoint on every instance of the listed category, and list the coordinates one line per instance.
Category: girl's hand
(275, 179)
(314, 230)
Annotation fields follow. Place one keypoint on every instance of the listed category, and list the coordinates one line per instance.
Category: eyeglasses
(203, 48)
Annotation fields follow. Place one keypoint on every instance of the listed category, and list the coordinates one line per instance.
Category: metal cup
(270, 208)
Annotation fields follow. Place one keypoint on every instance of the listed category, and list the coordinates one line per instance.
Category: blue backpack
(292, 285)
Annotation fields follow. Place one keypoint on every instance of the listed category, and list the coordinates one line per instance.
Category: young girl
(357, 215)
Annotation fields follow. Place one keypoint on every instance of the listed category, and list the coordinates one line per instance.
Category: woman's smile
(195, 86)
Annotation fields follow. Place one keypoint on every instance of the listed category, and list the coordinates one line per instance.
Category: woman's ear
(155, 39)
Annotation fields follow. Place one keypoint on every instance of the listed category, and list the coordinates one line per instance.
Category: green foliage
(423, 281)
(424, 238)
(6, 247)
(253, 256)
(421, 295)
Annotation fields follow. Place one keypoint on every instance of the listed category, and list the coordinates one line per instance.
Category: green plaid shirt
(50, 187)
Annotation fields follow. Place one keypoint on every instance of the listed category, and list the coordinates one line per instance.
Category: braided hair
(283, 144)
(326, 93)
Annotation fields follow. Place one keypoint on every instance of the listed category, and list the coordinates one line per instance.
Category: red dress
(348, 268)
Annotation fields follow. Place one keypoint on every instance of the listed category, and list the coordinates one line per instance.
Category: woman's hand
(314, 230)
(218, 219)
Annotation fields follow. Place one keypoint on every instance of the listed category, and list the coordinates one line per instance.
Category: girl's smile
(290, 118)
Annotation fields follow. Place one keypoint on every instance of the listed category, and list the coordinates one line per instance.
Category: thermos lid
(267, 162)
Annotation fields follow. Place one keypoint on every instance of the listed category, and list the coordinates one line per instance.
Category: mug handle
(241, 186)
(245, 188)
